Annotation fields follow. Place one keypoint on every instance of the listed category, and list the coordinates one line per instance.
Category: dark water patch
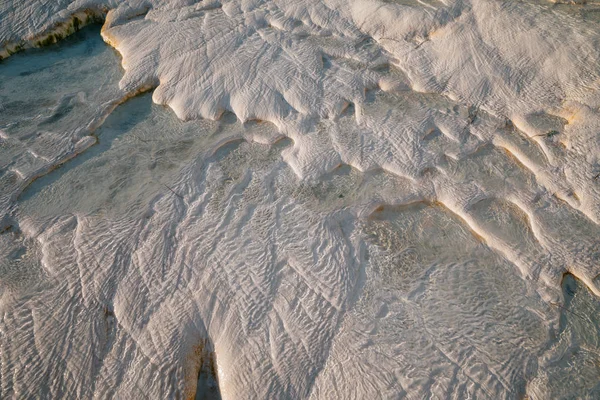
(136, 111)
(58, 88)
(86, 42)
(573, 366)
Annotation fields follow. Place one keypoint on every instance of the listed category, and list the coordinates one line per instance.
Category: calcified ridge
(342, 199)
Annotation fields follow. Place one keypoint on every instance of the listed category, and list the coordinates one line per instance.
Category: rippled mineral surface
(299, 199)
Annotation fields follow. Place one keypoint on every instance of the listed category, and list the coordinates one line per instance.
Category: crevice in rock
(205, 362)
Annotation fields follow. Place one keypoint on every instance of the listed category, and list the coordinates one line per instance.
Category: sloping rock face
(341, 199)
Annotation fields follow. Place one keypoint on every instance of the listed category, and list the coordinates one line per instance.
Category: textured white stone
(461, 137)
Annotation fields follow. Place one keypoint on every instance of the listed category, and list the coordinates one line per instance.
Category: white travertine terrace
(462, 135)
